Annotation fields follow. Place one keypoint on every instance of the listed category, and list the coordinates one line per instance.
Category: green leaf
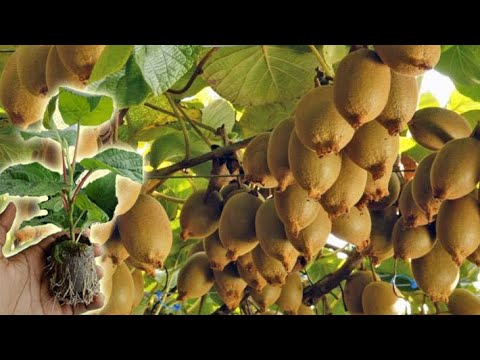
(461, 103)
(163, 65)
(462, 64)
(58, 218)
(418, 152)
(70, 135)
(473, 117)
(406, 144)
(219, 113)
(12, 147)
(94, 213)
(113, 58)
(259, 75)
(118, 161)
(428, 100)
(48, 121)
(198, 84)
(170, 207)
(102, 193)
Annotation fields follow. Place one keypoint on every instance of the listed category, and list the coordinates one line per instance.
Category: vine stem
(80, 185)
(195, 127)
(323, 63)
(169, 198)
(75, 151)
(182, 124)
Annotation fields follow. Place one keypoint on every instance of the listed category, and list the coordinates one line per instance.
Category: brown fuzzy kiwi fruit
(315, 175)
(88, 142)
(197, 247)
(347, 189)
(255, 162)
(475, 257)
(230, 286)
(270, 268)
(422, 189)
(456, 169)
(138, 285)
(318, 124)
(271, 235)
(412, 243)
(394, 187)
(32, 61)
(123, 292)
(147, 268)
(80, 59)
(195, 279)
(409, 60)
(354, 287)
(436, 273)
(277, 153)
(145, 231)
(295, 208)
(381, 244)
(49, 153)
(305, 310)
(267, 296)
(237, 233)
(114, 247)
(412, 214)
(22, 107)
(127, 192)
(57, 75)
(354, 227)
(199, 216)
(373, 149)
(362, 87)
(376, 190)
(401, 105)
(249, 272)
(227, 190)
(458, 227)
(217, 254)
(463, 302)
(292, 294)
(382, 298)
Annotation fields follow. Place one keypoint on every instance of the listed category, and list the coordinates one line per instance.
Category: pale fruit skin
(199, 217)
(80, 59)
(381, 244)
(195, 279)
(145, 231)
(127, 192)
(57, 75)
(88, 142)
(305, 310)
(148, 268)
(199, 246)
(411, 243)
(422, 189)
(115, 248)
(409, 60)
(433, 127)
(475, 257)
(463, 302)
(354, 287)
(271, 269)
(138, 284)
(315, 175)
(373, 149)
(230, 286)
(458, 227)
(401, 105)
(412, 214)
(376, 190)
(217, 254)
(318, 124)
(255, 162)
(436, 273)
(32, 60)
(277, 153)
(292, 294)
(354, 227)
(392, 302)
(267, 296)
(249, 272)
(122, 296)
(48, 153)
(362, 87)
(394, 187)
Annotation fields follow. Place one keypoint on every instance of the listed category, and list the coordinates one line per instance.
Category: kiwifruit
(347, 189)
(227, 190)
(123, 295)
(354, 286)
(199, 216)
(145, 231)
(463, 302)
(32, 61)
(237, 233)
(115, 248)
(412, 214)
(458, 227)
(217, 254)
(138, 285)
(277, 154)
(88, 142)
(381, 244)
(376, 190)
(197, 247)
(305, 310)
(295, 208)
(436, 273)
(409, 60)
(271, 235)
(475, 257)
(80, 59)
(230, 286)
(270, 268)
(422, 189)
(147, 268)
(106, 286)
(22, 107)
(127, 192)
(433, 127)
(269, 312)
(361, 88)
(401, 105)
(267, 296)
(57, 75)
(255, 162)
(373, 149)
(313, 238)
(315, 175)
(354, 227)
(318, 124)
(292, 294)
(411, 243)
(456, 169)
(249, 272)
(49, 153)
(195, 278)
(382, 298)
(394, 187)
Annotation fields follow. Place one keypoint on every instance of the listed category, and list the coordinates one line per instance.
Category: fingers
(97, 303)
(100, 272)
(8, 216)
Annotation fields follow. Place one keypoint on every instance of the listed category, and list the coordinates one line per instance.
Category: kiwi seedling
(80, 59)
(32, 61)
(255, 163)
(409, 60)
(249, 272)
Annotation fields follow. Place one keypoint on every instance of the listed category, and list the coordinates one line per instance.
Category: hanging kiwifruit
(347, 189)
(32, 60)
(362, 86)
(458, 227)
(271, 235)
(115, 248)
(80, 59)
(145, 231)
(295, 208)
(463, 302)
(255, 162)
(394, 187)
(57, 75)
(376, 190)
(197, 247)
(436, 273)
(267, 296)
(409, 60)
(373, 149)
(422, 189)
(127, 192)
(49, 153)
(195, 278)
(249, 272)
(277, 154)
(475, 257)
(200, 216)
(138, 285)
(237, 233)
(230, 286)
(381, 244)
(292, 294)
(354, 286)
(354, 227)
(305, 310)
(217, 254)
(411, 243)
(147, 268)
(382, 298)
(412, 214)
(227, 190)
(271, 269)
(456, 169)
(401, 105)
(88, 142)
(123, 295)
(315, 175)
(318, 124)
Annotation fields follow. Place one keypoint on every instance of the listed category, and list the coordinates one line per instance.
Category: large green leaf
(12, 147)
(94, 212)
(70, 135)
(102, 193)
(113, 58)
(428, 100)
(461, 103)
(219, 113)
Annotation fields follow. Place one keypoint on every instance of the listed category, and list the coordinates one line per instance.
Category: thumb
(6, 221)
